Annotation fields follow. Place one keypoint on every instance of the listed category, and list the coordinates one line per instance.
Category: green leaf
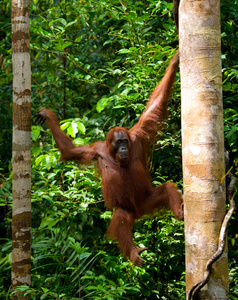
(66, 45)
(102, 103)
(62, 21)
(123, 51)
(72, 129)
(48, 222)
(83, 21)
(81, 127)
(58, 47)
(71, 23)
(78, 39)
(64, 125)
(35, 132)
(39, 159)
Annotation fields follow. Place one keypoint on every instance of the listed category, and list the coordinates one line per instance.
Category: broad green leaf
(35, 132)
(102, 103)
(81, 127)
(72, 129)
(48, 222)
(66, 45)
(62, 21)
(64, 125)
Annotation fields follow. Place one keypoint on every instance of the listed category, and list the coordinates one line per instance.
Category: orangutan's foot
(135, 257)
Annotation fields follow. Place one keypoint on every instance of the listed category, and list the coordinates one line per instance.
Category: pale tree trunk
(203, 143)
(21, 152)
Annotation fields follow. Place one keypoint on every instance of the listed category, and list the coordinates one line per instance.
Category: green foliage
(5, 83)
(97, 62)
(230, 96)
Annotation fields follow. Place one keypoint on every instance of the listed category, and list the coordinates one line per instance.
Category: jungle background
(95, 63)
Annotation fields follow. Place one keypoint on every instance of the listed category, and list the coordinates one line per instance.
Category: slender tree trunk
(203, 143)
(21, 153)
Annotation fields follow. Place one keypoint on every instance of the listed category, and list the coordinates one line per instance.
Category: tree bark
(21, 152)
(202, 143)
